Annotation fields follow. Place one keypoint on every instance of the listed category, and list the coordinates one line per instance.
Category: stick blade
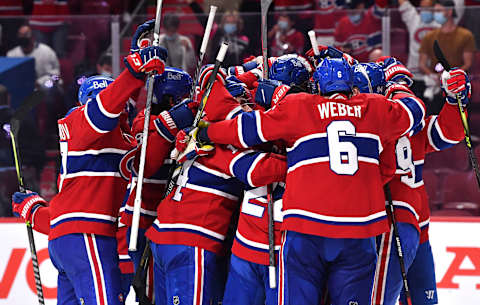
(440, 56)
(27, 105)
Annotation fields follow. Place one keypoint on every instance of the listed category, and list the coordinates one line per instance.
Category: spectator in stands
(48, 23)
(418, 23)
(9, 26)
(326, 15)
(359, 32)
(284, 38)
(180, 49)
(457, 43)
(47, 66)
(230, 30)
(301, 9)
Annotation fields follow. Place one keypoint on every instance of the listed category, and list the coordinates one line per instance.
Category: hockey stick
(265, 5)
(148, 107)
(390, 211)
(205, 96)
(203, 48)
(313, 41)
(140, 274)
(468, 142)
(14, 129)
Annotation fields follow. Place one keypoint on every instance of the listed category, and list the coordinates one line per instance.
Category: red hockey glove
(188, 146)
(24, 205)
(145, 61)
(395, 71)
(456, 83)
(393, 88)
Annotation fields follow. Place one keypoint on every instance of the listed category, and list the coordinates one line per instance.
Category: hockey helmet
(290, 70)
(174, 82)
(91, 87)
(205, 73)
(369, 78)
(333, 75)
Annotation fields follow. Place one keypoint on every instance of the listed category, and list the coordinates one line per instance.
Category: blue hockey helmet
(91, 87)
(369, 78)
(333, 75)
(174, 82)
(290, 70)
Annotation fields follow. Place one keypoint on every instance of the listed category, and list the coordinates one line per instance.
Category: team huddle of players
(322, 136)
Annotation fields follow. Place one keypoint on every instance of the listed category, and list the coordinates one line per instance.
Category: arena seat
(451, 159)
(461, 192)
(432, 186)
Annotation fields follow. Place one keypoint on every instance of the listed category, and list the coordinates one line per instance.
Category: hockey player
(188, 236)
(338, 138)
(82, 221)
(409, 195)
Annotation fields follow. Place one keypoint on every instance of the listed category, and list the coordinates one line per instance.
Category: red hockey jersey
(408, 191)
(338, 140)
(92, 143)
(199, 209)
(251, 237)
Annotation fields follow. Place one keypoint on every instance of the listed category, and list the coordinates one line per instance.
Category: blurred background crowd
(52, 45)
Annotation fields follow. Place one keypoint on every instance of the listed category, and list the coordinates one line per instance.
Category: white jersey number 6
(343, 155)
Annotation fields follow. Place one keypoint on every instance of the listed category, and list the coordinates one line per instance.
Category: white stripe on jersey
(142, 211)
(253, 243)
(82, 215)
(92, 174)
(334, 218)
(211, 191)
(96, 152)
(189, 227)
(104, 111)
(252, 167)
(211, 171)
(406, 205)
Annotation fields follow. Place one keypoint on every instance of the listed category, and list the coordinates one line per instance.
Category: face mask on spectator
(355, 18)
(230, 28)
(439, 17)
(426, 16)
(283, 25)
(24, 41)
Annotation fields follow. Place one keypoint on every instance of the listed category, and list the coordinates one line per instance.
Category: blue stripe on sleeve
(415, 110)
(243, 165)
(101, 121)
(249, 129)
(437, 139)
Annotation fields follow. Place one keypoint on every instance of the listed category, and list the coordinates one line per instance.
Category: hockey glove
(139, 39)
(178, 117)
(270, 92)
(456, 83)
(188, 145)
(235, 87)
(147, 60)
(392, 88)
(24, 205)
(395, 71)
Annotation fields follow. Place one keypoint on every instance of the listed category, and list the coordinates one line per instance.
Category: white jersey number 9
(343, 155)
(405, 160)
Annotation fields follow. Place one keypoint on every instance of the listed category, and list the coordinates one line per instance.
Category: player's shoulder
(73, 113)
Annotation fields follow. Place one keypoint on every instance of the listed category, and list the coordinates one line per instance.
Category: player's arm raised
(446, 129)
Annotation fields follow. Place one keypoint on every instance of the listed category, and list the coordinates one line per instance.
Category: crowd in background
(71, 40)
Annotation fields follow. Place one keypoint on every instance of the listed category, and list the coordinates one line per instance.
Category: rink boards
(455, 243)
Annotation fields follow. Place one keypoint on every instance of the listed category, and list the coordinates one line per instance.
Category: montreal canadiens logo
(125, 166)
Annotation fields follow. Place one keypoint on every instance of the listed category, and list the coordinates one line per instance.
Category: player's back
(334, 186)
